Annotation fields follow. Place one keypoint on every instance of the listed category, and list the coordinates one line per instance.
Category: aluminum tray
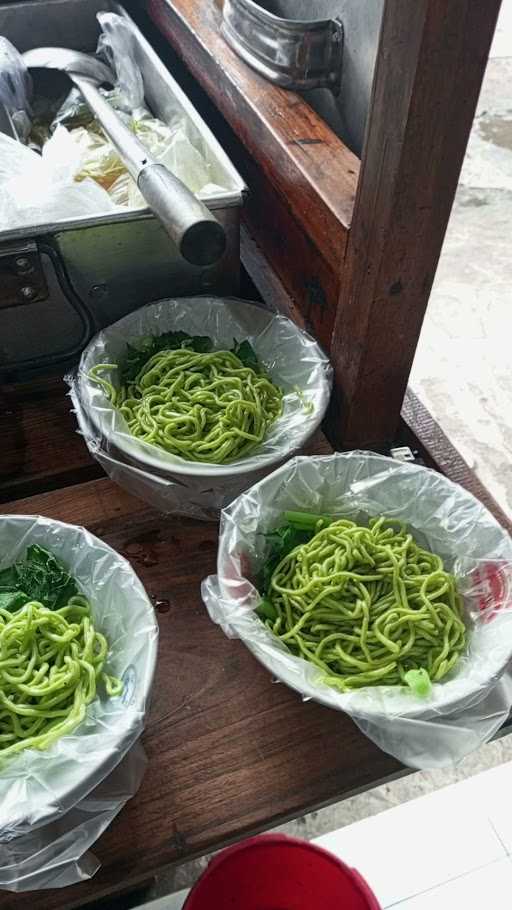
(62, 281)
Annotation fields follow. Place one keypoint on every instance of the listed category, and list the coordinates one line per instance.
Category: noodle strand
(368, 606)
(203, 407)
(50, 665)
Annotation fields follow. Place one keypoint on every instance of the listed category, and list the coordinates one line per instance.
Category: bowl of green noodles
(78, 639)
(377, 588)
(200, 392)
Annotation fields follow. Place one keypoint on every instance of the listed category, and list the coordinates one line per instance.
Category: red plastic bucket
(274, 872)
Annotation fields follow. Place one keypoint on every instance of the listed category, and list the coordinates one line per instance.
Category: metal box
(61, 282)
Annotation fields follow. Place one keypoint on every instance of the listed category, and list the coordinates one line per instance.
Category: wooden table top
(229, 753)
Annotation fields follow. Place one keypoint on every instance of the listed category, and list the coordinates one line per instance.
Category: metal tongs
(196, 232)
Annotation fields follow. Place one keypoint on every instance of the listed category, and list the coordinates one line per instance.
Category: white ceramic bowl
(38, 787)
(443, 516)
(292, 358)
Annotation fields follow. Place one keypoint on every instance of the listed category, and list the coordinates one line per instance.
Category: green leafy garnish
(298, 528)
(419, 681)
(307, 521)
(246, 353)
(266, 610)
(280, 542)
(40, 576)
(136, 358)
(13, 600)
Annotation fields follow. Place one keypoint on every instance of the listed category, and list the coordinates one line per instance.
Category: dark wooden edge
(430, 65)
(311, 168)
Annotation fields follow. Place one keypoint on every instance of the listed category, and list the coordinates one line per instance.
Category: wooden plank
(312, 170)
(309, 279)
(229, 753)
(430, 65)
(40, 446)
(301, 265)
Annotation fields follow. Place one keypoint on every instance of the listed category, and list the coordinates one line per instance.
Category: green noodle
(205, 407)
(50, 664)
(368, 606)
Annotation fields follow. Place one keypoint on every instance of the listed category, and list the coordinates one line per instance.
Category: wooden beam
(430, 65)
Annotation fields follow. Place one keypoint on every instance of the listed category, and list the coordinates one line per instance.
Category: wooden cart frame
(350, 249)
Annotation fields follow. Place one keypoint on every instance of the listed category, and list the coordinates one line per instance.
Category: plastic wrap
(462, 712)
(15, 88)
(168, 143)
(117, 46)
(172, 148)
(58, 854)
(38, 190)
(38, 788)
(169, 483)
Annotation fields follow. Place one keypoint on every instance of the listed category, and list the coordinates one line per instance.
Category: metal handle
(196, 232)
(200, 238)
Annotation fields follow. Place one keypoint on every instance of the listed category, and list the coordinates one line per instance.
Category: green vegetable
(136, 358)
(280, 542)
(419, 681)
(41, 577)
(299, 527)
(246, 353)
(13, 600)
(266, 610)
(307, 521)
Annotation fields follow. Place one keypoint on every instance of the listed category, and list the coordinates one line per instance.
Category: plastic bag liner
(38, 190)
(462, 712)
(116, 44)
(170, 143)
(169, 483)
(15, 88)
(58, 854)
(38, 788)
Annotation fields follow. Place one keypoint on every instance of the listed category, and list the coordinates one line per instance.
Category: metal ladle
(196, 232)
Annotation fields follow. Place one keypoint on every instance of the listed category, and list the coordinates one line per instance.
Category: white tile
(492, 790)
(488, 887)
(419, 845)
(502, 44)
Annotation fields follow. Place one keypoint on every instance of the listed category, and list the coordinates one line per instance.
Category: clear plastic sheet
(116, 45)
(58, 854)
(169, 483)
(15, 88)
(462, 712)
(168, 143)
(38, 189)
(80, 174)
(39, 788)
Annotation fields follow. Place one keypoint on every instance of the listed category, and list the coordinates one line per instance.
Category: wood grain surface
(430, 64)
(40, 448)
(306, 162)
(229, 752)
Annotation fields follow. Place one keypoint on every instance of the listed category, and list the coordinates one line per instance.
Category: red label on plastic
(491, 581)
